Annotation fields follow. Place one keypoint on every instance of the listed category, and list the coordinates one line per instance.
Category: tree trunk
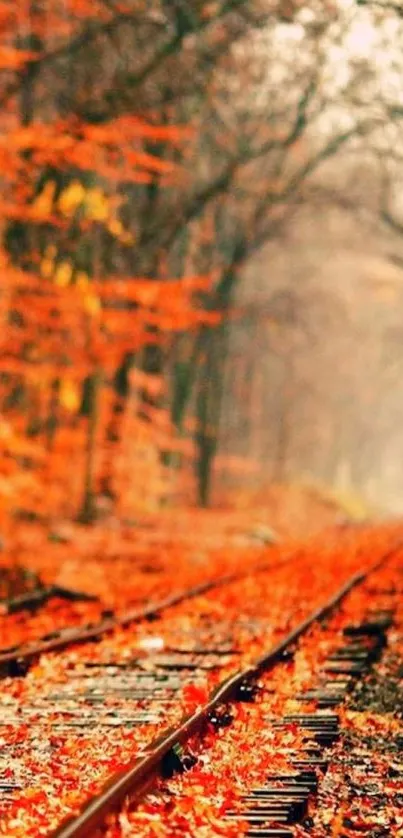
(208, 409)
(87, 512)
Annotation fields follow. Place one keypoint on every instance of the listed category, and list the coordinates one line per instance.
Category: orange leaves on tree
(17, 481)
(69, 395)
(14, 59)
(67, 320)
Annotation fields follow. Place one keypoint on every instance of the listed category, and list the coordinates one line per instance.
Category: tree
(259, 153)
(191, 150)
(72, 316)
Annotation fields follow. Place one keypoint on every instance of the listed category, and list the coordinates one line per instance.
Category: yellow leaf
(97, 205)
(69, 396)
(42, 205)
(115, 227)
(71, 198)
(47, 266)
(92, 304)
(63, 274)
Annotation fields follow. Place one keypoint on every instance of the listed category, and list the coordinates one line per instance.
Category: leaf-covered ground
(60, 743)
(362, 791)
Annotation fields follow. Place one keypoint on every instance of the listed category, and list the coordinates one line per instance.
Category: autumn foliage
(147, 153)
(74, 326)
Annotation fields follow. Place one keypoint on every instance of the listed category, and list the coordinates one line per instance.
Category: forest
(150, 153)
(201, 418)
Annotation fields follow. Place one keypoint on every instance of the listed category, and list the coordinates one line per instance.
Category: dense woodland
(150, 151)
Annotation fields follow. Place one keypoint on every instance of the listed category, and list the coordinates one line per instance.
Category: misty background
(318, 396)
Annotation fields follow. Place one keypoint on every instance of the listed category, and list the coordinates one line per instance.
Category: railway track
(17, 581)
(22, 592)
(15, 660)
(96, 694)
(167, 753)
(84, 723)
(313, 764)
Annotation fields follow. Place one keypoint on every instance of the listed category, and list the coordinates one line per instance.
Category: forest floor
(198, 542)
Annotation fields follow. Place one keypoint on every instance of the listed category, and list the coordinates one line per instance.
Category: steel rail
(27, 652)
(41, 595)
(140, 776)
